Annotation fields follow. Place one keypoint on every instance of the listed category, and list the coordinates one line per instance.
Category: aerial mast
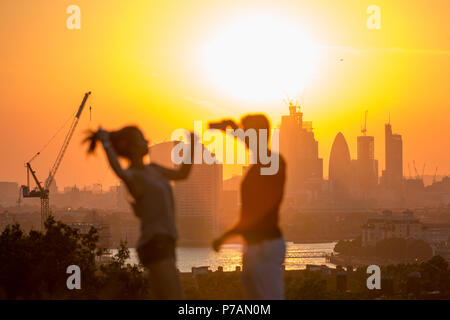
(364, 129)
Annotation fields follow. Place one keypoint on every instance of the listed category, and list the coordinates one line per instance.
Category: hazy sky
(144, 63)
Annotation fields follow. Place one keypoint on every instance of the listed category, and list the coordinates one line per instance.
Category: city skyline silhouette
(223, 150)
(384, 71)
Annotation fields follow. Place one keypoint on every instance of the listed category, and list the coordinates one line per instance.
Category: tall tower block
(393, 173)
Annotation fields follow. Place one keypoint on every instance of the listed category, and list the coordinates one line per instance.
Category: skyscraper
(365, 166)
(197, 201)
(300, 150)
(393, 174)
(339, 170)
(366, 147)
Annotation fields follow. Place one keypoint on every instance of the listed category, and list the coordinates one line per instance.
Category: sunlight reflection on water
(298, 255)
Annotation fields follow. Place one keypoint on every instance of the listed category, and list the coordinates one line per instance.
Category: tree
(34, 265)
(435, 274)
(119, 280)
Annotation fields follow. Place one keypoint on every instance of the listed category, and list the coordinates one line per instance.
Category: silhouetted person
(261, 195)
(153, 204)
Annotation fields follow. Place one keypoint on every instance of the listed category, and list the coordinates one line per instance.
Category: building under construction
(301, 151)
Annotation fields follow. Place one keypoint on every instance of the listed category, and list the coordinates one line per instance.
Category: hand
(223, 124)
(102, 135)
(218, 125)
(217, 243)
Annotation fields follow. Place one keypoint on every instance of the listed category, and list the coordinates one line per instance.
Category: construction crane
(423, 170)
(42, 191)
(435, 174)
(415, 169)
(364, 129)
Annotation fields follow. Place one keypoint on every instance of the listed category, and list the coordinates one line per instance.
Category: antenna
(364, 129)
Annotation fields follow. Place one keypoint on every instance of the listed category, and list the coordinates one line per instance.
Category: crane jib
(65, 143)
(86, 95)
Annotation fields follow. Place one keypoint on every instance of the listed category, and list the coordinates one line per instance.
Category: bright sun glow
(260, 58)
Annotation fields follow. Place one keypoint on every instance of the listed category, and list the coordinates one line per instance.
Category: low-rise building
(386, 226)
(436, 233)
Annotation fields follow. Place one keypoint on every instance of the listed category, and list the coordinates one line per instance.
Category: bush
(33, 265)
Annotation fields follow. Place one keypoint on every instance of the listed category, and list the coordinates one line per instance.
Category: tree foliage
(33, 265)
(393, 249)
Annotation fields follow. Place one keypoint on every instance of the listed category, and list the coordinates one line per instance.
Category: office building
(300, 150)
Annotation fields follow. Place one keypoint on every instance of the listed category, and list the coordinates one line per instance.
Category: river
(298, 255)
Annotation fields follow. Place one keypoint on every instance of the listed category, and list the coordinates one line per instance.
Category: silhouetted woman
(153, 204)
(261, 195)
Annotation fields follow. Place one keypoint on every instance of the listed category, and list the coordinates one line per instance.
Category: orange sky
(142, 62)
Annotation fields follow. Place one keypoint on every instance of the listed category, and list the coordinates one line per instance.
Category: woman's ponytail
(124, 141)
(91, 139)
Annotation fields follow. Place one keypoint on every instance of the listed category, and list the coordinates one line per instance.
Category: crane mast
(415, 169)
(435, 174)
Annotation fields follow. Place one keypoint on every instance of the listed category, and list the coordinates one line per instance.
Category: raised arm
(224, 125)
(183, 171)
(111, 154)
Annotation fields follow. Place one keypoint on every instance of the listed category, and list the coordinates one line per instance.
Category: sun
(260, 58)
